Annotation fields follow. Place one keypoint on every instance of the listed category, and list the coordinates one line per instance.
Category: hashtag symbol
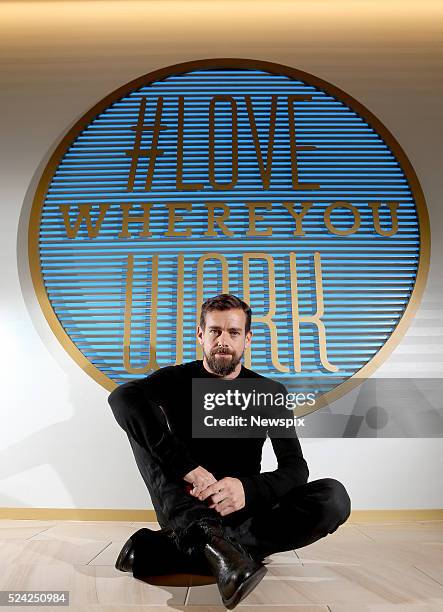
(151, 153)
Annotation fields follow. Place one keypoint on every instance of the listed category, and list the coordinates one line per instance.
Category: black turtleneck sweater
(158, 414)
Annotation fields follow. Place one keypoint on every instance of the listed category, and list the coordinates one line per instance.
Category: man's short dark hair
(225, 301)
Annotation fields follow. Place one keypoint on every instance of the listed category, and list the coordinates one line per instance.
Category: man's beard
(222, 365)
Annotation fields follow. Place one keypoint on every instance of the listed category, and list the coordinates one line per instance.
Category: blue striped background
(367, 278)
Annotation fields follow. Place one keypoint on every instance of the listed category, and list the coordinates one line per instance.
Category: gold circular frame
(232, 63)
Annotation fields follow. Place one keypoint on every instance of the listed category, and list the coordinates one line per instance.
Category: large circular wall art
(239, 176)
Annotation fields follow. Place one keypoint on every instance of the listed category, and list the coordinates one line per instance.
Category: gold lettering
(127, 219)
(267, 318)
(293, 143)
(212, 219)
(315, 319)
(225, 286)
(342, 232)
(393, 207)
(298, 217)
(84, 213)
(180, 305)
(234, 143)
(265, 169)
(173, 218)
(253, 231)
(180, 129)
(152, 364)
(154, 151)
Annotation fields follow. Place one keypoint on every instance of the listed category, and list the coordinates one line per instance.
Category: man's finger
(213, 488)
(225, 503)
(227, 510)
(201, 486)
(218, 497)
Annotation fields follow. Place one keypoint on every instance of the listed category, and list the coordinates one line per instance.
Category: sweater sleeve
(139, 413)
(292, 471)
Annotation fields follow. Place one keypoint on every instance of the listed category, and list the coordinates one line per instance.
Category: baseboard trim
(390, 516)
(78, 514)
(148, 516)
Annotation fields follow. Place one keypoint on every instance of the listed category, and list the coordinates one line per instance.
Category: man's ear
(248, 339)
(200, 335)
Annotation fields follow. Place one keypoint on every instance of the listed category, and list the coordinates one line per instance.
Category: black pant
(304, 515)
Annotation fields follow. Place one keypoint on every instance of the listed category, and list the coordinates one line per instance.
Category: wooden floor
(361, 567)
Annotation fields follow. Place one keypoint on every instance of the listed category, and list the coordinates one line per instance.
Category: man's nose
(222, 339)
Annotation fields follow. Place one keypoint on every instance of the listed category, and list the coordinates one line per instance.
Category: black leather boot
(154, 553)
(236, 571)
(125, 559)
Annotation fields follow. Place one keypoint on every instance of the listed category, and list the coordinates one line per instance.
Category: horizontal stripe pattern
(367, 278)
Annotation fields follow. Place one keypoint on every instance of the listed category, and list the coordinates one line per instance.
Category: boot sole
(245, 588)
(180, 579)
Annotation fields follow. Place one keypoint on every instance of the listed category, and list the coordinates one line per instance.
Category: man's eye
(235, 333)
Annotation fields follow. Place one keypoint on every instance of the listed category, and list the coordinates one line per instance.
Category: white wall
(60, 446)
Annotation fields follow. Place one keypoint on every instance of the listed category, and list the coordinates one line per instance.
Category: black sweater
(165, 396)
